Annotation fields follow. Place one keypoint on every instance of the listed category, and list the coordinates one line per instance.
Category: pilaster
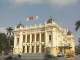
(25, 49)
(53, 38)
(20, 41)
(15, 41)
(30, 38)
(35, 43)
(45, 34)
(40, 42)
(40, 48)
(35, 49)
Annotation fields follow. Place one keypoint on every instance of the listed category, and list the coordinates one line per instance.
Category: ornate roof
(50, 20)
(68, 33)
(20, 25)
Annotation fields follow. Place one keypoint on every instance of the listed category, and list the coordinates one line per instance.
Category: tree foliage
(77, 49)
(6, 40)
(77, 24)
(9, 31)
(3, 41)
(10, 36)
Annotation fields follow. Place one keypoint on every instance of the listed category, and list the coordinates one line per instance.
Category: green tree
(9, 34)
(3, 41)
(12, 41)
(77, 24)
(77, 49)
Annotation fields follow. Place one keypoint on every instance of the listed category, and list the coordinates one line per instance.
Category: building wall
(38, 38)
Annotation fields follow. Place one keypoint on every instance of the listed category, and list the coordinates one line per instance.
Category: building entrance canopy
(66, 47)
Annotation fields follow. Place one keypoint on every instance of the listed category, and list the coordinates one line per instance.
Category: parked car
(60, 54)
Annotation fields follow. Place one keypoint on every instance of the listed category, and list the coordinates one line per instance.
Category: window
(23, 49)
(17, 40)
(37, 49)
(23, 38)
(42, 48)
(49, 38)
(28, 49)
(42, 37)
(28, 38)
(32, 38)
(32, 49)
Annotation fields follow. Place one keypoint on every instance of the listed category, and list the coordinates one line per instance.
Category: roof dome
(68, 33)
(50, 20)
(20, 25)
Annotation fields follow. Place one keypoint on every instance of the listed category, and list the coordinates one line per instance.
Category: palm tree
(77, 24)
(9, 34)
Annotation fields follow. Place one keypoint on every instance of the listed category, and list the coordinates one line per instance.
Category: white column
(15, 41)
(25, 49)
(45, 36)
(52, 43)
(57, 39)
(35, 44)
(53, 36)
(30, 43)
(20, 42)
(40, 42)
(26, 46)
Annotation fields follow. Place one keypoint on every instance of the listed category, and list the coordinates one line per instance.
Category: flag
(32, 18)
(36, 17)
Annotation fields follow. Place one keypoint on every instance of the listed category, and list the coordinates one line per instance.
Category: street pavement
(58, 58)
(77, 57)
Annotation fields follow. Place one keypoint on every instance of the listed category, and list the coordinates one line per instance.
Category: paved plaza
(40, 58)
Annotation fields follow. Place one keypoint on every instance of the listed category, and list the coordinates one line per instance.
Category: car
(60, 54)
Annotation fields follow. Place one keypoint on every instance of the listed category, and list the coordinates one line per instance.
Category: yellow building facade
(39, 38)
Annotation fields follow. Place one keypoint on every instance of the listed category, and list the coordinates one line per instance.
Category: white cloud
(3, 30)
(20, 2)
(51, 2)
(63, 2)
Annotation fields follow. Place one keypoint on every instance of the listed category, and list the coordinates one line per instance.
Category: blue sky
(64, 12)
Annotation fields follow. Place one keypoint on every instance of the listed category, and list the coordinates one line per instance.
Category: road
(64, 58)
(59, 58)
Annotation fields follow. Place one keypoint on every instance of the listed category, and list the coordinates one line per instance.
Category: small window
(23, 38)
(17, 40)
(49, 38)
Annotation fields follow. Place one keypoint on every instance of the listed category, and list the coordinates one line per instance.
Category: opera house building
(42, 38)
